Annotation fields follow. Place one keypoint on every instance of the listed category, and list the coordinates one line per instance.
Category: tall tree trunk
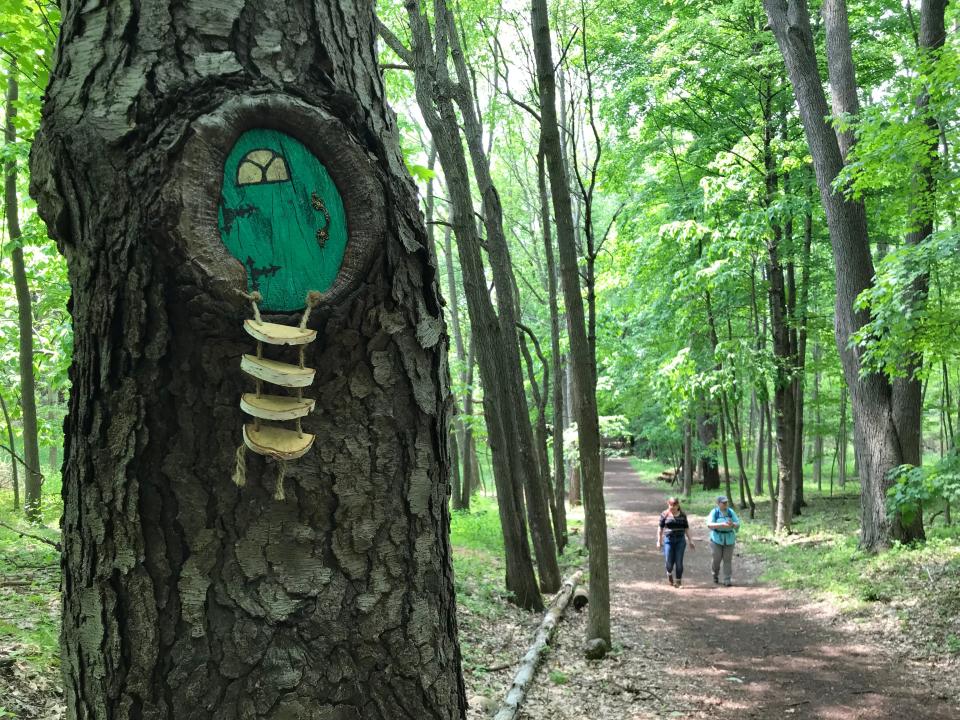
(818, 433)
(876, 428)
(32, 481)
(468, 450)
(687, 458)
(800, 358)
(907, 396)
(556, 359)
(598, 623)
(53, 452)
(758, 468)
(726, 462)
(540, 400)
(783, 350)
(487, 333)
(538, 506)
(461, 500)
(842, 439)
(186, 594)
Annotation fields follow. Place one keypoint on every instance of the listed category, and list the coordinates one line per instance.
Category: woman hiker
(672, 537)
(723, 523)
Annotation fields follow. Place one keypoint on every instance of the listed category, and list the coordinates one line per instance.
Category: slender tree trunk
(758, 468)
(783, 350)
(524, 445)
(540, 400)
(457, 490)
(575, 499)
(555, 357)
(32, 481)
(842, 439)
(818, 433)
(800, 359)
(772, 490)
(726, 463)
(11, 439)
(461, 496)
(598, 623)
(53, 455)
(687, 458)
(187, 594)
(487, 333)
(468, 462)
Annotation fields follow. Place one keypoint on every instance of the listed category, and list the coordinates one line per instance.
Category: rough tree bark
(707, 435)
(32, 481)
(878, 443)
(598, 624)
(184, 595)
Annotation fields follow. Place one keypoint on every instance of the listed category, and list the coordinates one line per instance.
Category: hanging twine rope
(281, 474)
(313, 299)
(254, 298)
(240, 471)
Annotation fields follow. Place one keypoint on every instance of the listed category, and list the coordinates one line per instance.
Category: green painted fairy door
(282, 217)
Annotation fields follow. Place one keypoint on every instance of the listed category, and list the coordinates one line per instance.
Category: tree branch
(51, 543)
(394, 43)
(22, 461)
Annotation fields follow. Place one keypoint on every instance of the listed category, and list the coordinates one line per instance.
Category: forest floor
(705, 651)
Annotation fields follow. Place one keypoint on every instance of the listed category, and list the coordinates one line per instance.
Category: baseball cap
(721, 499)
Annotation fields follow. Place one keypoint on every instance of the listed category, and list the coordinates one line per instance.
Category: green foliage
(920, 487)
(29, 593)
(558, 677)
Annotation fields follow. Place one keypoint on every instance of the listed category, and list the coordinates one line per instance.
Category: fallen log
(580, 598)
(523, 678)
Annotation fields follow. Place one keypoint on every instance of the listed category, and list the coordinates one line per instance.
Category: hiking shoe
(678, 584)
(716, 580)
(670, 578)
(727, 583)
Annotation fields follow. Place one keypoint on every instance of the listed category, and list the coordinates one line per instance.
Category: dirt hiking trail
(707, 651)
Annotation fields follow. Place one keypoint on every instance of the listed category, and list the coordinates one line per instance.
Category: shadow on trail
(751, 650)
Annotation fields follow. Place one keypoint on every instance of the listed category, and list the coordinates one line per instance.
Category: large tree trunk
(709, 467)
(877, 434)
(487, 332)
(32, 480)
(907, 391)
(598, 624)
(185, 595)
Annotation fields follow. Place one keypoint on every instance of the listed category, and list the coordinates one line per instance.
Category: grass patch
(919, 584)
(30, 685)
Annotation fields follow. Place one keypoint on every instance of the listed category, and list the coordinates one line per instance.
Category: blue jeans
(673, 549)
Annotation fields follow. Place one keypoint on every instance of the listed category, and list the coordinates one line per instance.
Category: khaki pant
(724, 553)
